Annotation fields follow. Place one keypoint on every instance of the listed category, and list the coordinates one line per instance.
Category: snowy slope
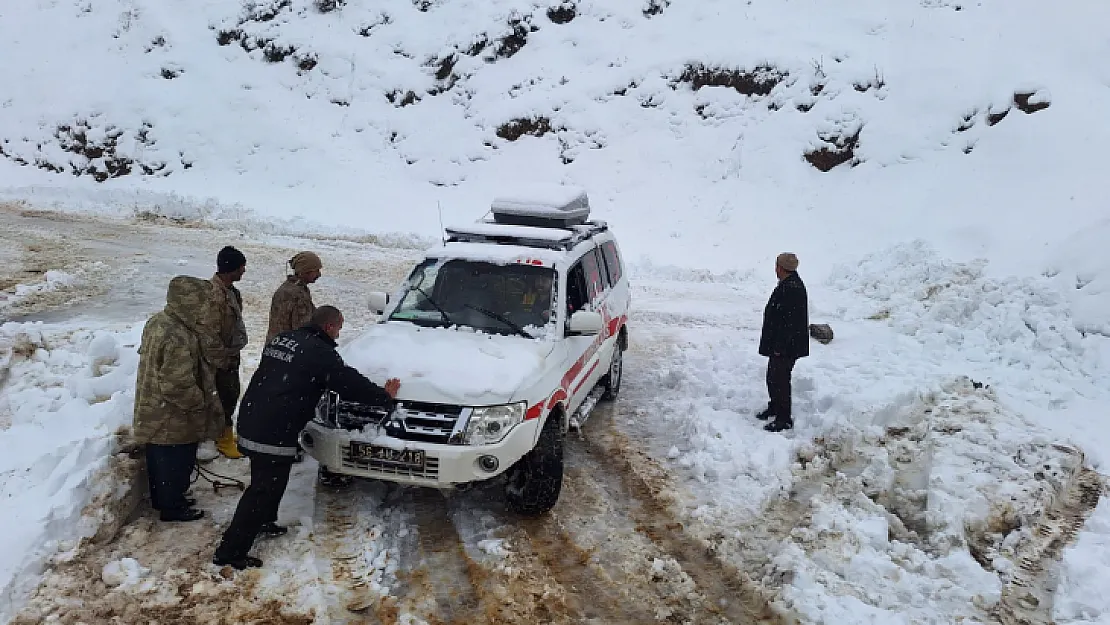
(328, 130)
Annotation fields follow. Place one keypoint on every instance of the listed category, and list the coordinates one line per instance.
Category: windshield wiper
(514, 327)
(428, 298)
(443, 313)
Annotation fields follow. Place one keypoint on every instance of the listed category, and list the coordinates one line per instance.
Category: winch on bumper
(419, 443)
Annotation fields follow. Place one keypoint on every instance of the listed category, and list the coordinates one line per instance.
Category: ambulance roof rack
(526, 236)
(552, 217)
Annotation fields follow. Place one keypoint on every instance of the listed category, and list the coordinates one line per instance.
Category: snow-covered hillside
(936, 165)
(688, 122)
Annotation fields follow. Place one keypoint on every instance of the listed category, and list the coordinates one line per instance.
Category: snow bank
(68, 391)
(151, 206)
(1081, 266)
(1019, 334)
(926, 433)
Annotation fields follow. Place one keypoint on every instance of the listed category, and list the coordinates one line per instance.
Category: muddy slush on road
(620, 547)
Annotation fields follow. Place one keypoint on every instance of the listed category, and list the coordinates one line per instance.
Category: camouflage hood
(189, 300)
(176, 401)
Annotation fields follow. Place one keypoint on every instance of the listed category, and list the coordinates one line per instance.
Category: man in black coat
(784, 340)
(296, 368)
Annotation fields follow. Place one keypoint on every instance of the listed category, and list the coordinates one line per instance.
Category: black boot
(189, 503)
(765, 414)
(779, 425)
(237, 563)
(272, 529)
(182, 514)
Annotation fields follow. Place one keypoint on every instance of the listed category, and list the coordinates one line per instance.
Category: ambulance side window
(594, 281)
(612, 261)
(577, 295)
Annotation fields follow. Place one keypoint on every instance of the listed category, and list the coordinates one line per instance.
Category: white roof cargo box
(550, 207)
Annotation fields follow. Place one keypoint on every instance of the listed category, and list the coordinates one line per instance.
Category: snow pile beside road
(928, 433)
(175, 208)
(1018, 334)
(55, 283)
(66, 394)
(1016, 323)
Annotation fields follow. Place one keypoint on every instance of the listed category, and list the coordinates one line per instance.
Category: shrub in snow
(327, 6)
(759, 81)
(517, 37)
(516, 128)
(876, 82)
(89, 146)
(562, 13)
(253, 32)
(655, 7)
(399, 98)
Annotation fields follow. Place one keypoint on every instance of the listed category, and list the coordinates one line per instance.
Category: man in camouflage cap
(292, 307)
(176, 404)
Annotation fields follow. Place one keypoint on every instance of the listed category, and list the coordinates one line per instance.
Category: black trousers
(227, 388)
(168, 469)
(779, 369)
(258, 505)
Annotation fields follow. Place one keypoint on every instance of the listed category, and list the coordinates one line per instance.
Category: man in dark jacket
(296, 368)
(784, 340)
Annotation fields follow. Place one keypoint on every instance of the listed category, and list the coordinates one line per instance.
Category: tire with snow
(534, 482)
(612, 380)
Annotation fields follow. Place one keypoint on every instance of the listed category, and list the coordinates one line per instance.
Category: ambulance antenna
(442, 230)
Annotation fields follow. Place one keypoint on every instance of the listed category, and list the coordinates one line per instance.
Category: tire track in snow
(1028, 598)
(591, 595)
(630, 475)
(443, 581)
(355, 581)
(395, 555)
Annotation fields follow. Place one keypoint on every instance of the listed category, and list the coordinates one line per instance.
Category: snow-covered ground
(959, 254)
(933, 435)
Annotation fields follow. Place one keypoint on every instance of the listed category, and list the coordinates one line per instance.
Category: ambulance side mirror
(585, 323)
(379, 301)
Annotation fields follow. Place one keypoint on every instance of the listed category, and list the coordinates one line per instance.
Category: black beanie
(229, 259)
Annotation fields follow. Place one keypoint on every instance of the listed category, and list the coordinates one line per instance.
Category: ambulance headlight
(491, 424)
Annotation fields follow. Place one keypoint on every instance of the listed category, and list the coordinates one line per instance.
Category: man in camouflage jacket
(231, 264)
(176, 404)
(292, 307)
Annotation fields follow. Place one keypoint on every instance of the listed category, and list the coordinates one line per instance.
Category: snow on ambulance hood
(445, 365)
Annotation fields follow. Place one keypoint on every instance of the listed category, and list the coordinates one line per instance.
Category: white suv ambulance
(504, 337)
